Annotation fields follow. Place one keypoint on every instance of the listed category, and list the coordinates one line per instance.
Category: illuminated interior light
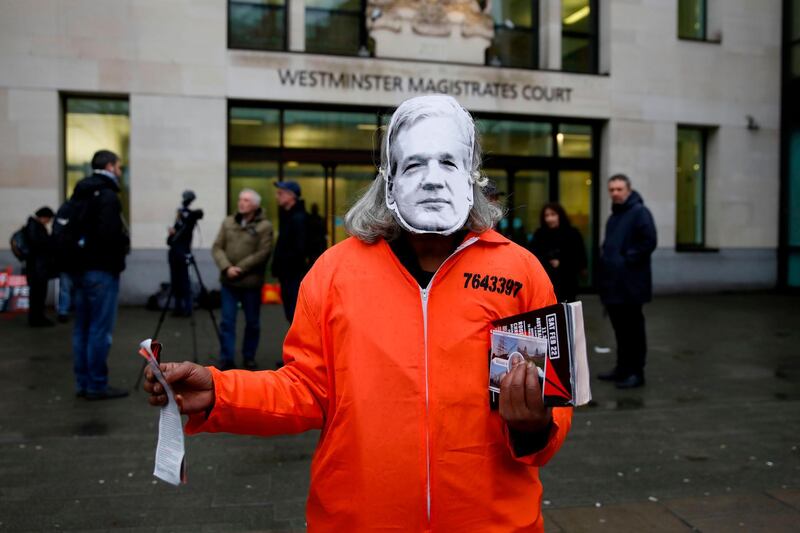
(246, 122)
(578, 15)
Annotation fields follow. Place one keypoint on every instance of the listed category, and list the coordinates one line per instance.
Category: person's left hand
(555, 263)
(521, 403)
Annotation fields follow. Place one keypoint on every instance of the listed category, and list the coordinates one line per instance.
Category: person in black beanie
(290, 261)
(38, 265)
(559, 247)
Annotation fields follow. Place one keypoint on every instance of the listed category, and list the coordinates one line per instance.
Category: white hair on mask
(253, 195)
(415, 109)
(370, 218)
(407, 115)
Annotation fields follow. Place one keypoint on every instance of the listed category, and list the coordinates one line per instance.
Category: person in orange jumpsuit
(388, 353)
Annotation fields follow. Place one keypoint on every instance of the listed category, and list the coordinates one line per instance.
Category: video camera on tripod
(181, 232)
(181, 262)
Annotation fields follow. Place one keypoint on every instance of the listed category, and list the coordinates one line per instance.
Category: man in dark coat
(290, 262)
(626, 280)
(38, 265)
(104, 243)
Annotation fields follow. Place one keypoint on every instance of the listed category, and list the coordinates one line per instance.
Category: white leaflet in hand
(428, 165)
(170, 453)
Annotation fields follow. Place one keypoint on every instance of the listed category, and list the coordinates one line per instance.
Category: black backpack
(19, 244)
(69, 232)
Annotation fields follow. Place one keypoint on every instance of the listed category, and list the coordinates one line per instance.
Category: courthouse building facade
(215, 95)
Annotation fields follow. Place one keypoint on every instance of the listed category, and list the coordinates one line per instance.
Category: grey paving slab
(648, 517)
(788, 497)
(719, 420)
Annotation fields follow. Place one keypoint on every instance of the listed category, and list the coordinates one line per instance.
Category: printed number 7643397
(498, 284)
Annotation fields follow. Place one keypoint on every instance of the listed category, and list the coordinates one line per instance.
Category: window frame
(702, 245)
(704, 38)
(285, 46)
(63, 97)
(594, 38)
(533, 30)
(363, 34)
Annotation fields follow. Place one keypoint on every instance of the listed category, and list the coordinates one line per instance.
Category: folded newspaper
(553, 339)
(170, 453)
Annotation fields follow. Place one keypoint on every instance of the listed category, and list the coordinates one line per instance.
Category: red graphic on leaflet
(552, 383)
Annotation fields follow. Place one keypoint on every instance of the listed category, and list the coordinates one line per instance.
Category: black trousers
(38, 292)
(179, 277)
(290, 286)
(628, 323)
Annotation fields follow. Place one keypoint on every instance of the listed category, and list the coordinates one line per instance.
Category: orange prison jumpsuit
(396, 378)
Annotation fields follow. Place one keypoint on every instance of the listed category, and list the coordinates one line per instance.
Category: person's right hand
(233, 272)
(191, 383)
(555, 263)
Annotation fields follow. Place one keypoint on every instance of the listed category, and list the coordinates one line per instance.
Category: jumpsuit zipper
(424, 294)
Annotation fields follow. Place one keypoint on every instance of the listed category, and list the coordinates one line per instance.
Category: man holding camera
(241, 252)
(180, 250)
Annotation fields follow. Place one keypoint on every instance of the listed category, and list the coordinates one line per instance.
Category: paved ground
(711, 444)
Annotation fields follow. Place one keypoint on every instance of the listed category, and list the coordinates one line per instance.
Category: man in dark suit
(626, 279)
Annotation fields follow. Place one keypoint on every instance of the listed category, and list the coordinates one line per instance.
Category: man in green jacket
(241, 252)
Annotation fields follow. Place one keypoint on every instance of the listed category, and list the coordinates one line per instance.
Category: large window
(690, 192)
(336, 27)
(331, 151)
(514, 137)
(692, 19)
(257, 24)
(579, 35)
(92, 124)
(516, 36)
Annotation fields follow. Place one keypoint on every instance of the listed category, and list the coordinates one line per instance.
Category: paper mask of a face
(431, 189)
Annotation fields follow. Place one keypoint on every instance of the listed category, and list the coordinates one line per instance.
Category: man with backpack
(91, 240)
(32, 245)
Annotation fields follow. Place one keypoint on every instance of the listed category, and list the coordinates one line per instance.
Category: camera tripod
(189, 262)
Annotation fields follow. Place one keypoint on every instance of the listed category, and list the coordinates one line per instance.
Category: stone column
(604, 36)
(297, 25)
(550, 35)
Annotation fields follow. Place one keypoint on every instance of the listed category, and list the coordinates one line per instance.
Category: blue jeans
(95, 313)
(251, 305)
(65, 290)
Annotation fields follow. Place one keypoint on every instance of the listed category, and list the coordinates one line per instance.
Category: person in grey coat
(626, 280)
(241, 252)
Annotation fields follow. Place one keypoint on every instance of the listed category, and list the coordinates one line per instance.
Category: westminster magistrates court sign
(416, 85)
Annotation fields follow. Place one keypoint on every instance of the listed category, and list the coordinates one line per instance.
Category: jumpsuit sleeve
(562, 419)
(292, 399)
(540, 448)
